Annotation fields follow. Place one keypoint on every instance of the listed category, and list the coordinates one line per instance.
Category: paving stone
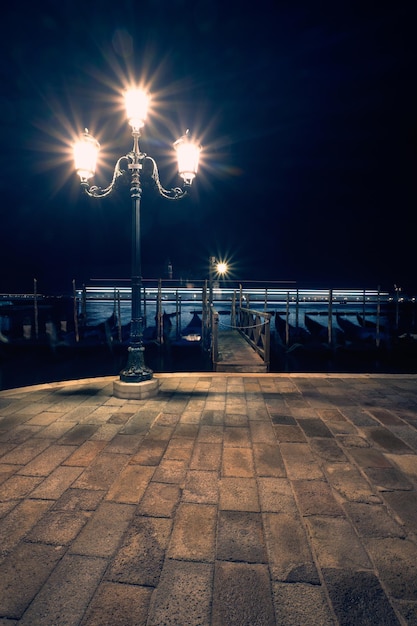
(353, 441)
(102, 533)
(159, 432)
(301, 604)
(369, 457)
(238, 462)
(25, 452)
(171, 472)
(285, 433)
(120, 417)
(372, 520)
(236, 437)
(78, 434)
(210, 434)
(283, 418)
(18, 487)
(56, 483)
(331, 415)
(79, 500)
(299, 461)
(179, 449)
(140, 559)
(388, 479)
(118, 605)
(238, 494)
(106, 432)
(396, 562)
(385, 416)
(206, 456)
(85, 454)
(406, 463)
(186, 430)
(241, 595)
(404, 505)
(168, 419)
(193, 533)
(276, 496)
(131, 484)
(336, 544)
(20, 434)
(191, 417)
(236, 419)
(7, 470)
(387, 441)
(407, 434)
(102, 472)
(58, 527)
(358, 598)
(47, 461)
(6, 507)
(289, 553)
(359, 417)
(183, 595)
(328, 450)
(268, 460)
(346, 480)
(315, 497)
(159, 500)
(261, 431)
(150, 453)
(22, 574)
(139, 423)
(67, 593)
(407, 610)
(56, 430)
(19, 522)
(201, 487)
(240, 537)
(342, 428)
(314, 427)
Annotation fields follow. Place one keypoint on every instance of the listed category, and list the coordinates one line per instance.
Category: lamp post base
(136, 391)
(136, 370)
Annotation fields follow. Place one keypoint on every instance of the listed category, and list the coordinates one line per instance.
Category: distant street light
(216, 268)
(85, 157)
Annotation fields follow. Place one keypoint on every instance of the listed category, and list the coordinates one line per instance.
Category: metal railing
(255, 328)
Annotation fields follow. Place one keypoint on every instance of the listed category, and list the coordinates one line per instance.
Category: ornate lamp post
(85, 157)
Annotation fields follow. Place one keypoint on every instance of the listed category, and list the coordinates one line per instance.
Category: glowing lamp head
(188, 155)
(136, 103)
(85, 156)
(221, 268)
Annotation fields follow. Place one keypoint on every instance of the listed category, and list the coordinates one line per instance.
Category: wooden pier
(234, 354)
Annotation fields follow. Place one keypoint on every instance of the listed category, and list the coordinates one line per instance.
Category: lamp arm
(98, 192)
(176, 193)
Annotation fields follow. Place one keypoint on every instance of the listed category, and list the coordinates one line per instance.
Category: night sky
(306, 111)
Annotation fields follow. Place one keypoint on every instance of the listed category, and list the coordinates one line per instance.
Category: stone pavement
(226, 500)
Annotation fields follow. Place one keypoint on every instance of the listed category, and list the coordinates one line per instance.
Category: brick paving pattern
(225, 500)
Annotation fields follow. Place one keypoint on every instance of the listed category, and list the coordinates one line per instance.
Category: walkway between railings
(243, 346)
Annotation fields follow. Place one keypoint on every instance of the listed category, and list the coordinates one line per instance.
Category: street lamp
(85, 157)
(218, 268)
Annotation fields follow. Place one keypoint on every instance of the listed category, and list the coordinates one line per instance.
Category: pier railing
(255, 327)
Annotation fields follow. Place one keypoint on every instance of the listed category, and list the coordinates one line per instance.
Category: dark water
(26, 366)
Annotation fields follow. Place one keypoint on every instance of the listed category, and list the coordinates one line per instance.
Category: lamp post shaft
(136, 370)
